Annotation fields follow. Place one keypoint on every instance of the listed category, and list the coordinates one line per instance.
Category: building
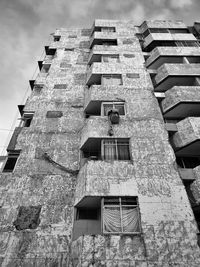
(104, 169)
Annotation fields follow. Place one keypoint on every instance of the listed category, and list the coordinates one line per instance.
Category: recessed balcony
(103, 56)
(98, 127)
(96, 94)
(169, 75)
(50, 50)
(162, 55)
(181, 102)
(97, 177)
(103, 38)
(167, 37)
(95, 72)
(164, 24)
(186, 140)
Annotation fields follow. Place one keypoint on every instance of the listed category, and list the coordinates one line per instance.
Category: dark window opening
(56, 38)
(45, 68)
(87, 217)
(87, 214)
(188, 162)
(27, 118)
(11, 161)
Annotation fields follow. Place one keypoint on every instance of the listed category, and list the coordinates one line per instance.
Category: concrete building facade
(104, 168)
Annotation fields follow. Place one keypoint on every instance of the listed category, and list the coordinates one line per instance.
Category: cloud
(180, 3)
(26, 25)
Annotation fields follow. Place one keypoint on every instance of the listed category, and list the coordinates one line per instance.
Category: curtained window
(115, 149)
(120, 215)
(107, 106)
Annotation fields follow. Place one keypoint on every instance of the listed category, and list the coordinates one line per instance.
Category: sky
(25, 26)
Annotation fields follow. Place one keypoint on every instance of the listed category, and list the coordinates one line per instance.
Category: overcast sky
(26, 24)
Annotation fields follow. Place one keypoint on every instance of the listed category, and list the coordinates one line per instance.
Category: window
(106, 149)
(87, 214)
(107, 106)
(107, 29)
(108, 215)
(27, 118)
(188, 162)
(45, 68)
(56, 38)
(110, 58)
(120, 215)
(115, 149)
(11, 161)
(111, 79)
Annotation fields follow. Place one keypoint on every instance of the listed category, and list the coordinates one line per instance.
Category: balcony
(169, 75)
(96, 55)
(181, 102)
(167, 37)
(97, 94)
(168, 24)
(101, 38)
(99, 177)
(161, 55)
(97, 128)
(50, 50)
(97, 69)
(186, 140)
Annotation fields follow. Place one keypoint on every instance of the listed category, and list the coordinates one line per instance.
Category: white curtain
(110, 152)
(114, 223)
(130, 220)
(111, 218)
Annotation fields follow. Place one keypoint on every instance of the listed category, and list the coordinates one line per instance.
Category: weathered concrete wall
(168, 236)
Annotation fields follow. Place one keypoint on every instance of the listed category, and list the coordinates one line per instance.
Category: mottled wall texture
(51, 177)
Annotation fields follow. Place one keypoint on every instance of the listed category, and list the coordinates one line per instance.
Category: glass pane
(123, 150)
(130, 219)
(110, 152)
(120, 108)
(111, 219)
(106, 108)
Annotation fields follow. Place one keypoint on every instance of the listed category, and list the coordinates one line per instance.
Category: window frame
(116, 148)
(27, 115)
(111, 56)
(111, 76)
(13, 154)
(120, 205)
(113, 104)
